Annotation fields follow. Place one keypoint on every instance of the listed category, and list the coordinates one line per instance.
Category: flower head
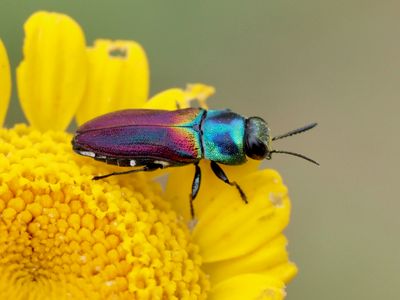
(63, 230)
(63, 235)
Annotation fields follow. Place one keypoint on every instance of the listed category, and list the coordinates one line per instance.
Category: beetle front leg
(221, 175)
(195, 187)
(146, 168)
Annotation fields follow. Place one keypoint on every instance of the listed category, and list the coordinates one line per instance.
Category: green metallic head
(258, 139)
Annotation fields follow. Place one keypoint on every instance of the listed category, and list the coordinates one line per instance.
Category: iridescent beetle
(156, 139)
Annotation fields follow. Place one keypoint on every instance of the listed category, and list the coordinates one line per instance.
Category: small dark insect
(156, 139)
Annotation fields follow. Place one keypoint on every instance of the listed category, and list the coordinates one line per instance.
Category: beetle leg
(221, 175)
(195, 187)
(146, 168)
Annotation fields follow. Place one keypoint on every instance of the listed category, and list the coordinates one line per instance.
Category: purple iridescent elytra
(135, 137)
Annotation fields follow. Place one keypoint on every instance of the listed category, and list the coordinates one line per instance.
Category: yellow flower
(65, 236)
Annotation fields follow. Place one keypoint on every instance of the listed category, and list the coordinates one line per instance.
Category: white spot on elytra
(87, 153)
(132, 162)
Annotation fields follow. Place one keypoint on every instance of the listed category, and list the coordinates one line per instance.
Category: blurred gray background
(291, 62)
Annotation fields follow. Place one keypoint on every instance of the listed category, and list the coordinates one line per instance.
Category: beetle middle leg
(221, 175)
(146, 168)
(195, 187)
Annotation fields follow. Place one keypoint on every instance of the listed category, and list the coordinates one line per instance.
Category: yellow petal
(240, 228)
(168, 100)
(52, 77)
(269, 259)
(200, 92)
(178, 98)
(5, 82)
(285, 272)
(118, 78)
(249, 287)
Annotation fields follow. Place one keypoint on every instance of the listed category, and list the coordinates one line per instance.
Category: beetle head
(258, 140)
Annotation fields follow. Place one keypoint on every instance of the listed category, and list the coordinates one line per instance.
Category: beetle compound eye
(255, 149)
(256, 138)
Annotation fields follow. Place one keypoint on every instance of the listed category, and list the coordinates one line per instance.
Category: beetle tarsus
(221, 175)
(115, 173)
(242, 194)
(195, 188)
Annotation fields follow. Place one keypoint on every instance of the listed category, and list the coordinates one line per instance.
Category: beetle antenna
(295, 131)
(296, 154)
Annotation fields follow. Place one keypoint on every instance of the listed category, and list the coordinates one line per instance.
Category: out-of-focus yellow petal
(249, 287)
(266, 259)
(178, 98)
(118, 78)
(285, 272)
(5, 82)
(199, 91)
(52, 76)
(168, 100)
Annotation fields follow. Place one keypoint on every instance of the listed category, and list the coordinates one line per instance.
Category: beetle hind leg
(146, 168)
(221, 175)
